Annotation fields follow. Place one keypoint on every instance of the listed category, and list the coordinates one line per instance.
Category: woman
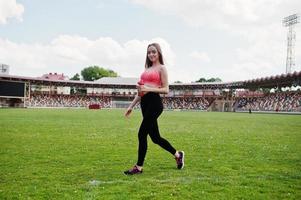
(153, 81)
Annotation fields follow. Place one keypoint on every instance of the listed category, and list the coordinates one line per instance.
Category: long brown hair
(149, 63)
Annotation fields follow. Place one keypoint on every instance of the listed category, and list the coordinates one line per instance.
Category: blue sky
(233, 40)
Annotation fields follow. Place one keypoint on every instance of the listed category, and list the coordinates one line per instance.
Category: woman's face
(152, 54)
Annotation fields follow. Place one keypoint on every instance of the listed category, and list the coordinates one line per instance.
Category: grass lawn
(81, 154)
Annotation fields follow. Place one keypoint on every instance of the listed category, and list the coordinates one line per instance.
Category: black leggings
(152, 107)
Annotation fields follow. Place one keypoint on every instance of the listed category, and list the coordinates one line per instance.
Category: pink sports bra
(151, 77)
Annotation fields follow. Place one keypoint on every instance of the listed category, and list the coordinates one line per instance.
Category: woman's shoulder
(159, 68)
(162, 68)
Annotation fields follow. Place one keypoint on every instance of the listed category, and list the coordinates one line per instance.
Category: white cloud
(260, 49)
(69, 54)
(261, 46)
(200, 56)
(223, 13)
(10, 9)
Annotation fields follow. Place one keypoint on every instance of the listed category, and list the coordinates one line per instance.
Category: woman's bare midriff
(150, 85)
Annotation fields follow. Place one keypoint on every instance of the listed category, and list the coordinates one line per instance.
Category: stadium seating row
(289, 102)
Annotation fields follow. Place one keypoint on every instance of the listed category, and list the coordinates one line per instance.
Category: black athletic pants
(152, 107)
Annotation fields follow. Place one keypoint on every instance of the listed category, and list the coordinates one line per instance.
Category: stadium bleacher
(118, 93)
(280, 101)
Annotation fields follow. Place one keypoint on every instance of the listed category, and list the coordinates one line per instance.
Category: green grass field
(81, 154)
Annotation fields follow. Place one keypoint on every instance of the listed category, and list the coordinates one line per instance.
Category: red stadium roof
(54, 76)
(282, 80)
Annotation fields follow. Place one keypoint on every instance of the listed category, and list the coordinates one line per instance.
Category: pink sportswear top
(152, 77)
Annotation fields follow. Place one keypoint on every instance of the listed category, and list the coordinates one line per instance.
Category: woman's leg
(142, 148)
(157, 139)
(152, 108)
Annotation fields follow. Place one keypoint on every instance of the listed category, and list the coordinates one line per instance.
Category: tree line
(204, 80)
(93, 73)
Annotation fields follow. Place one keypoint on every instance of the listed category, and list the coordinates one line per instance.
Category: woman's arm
(132, 105)
(135, 101)
(164, 79)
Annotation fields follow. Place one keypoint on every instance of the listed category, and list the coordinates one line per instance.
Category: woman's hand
(128, 112)
(139, 87)
(143, 88)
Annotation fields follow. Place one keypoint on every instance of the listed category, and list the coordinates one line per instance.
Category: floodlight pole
(290, 22)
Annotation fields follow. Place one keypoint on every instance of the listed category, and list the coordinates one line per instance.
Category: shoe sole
(182, 160)
(129, 174)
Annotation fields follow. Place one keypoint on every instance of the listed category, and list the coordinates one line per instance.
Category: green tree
(76, 77)
(178, 82)
(211, 80)
(202, 80)
(214, 80)
(218, 80)
(267, 90)
(94, 72)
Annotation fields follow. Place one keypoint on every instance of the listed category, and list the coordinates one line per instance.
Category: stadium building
(55, 90)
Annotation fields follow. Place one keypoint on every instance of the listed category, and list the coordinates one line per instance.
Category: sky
(230, 39)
